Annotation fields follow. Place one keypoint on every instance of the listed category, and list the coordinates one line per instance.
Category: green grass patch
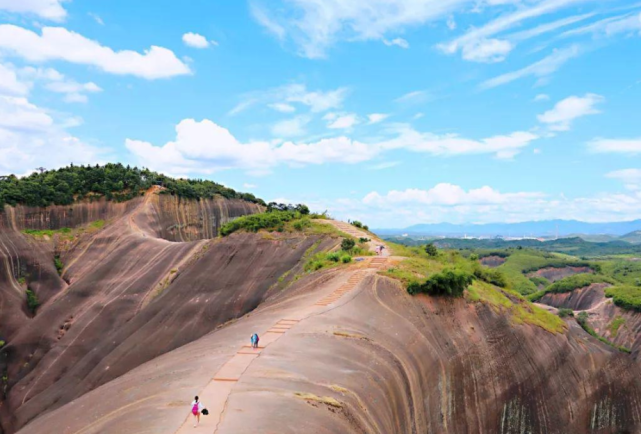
(626, 297)
(98, 224)
(615, 325)
(521, 262)
(518, 309)
(323, 260)
(41, 233)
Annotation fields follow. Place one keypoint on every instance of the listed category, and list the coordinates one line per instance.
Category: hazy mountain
(544, 228)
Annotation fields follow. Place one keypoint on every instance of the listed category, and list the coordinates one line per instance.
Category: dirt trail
(357, 233)
(217, 392)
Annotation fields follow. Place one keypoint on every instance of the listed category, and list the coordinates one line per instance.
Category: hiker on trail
(254, 340)
(382, 247)
(196, 409)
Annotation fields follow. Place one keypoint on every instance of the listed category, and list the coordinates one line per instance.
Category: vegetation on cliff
(626, 297)
(570, 283)
(113, 181)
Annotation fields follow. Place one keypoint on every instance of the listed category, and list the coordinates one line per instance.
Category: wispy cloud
(543, 68)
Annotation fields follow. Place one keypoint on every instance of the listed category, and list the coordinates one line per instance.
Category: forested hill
(113, 181)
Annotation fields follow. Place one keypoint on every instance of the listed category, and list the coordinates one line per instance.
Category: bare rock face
(115, 306)
(579, 299)
(492, 261)
(380, 362)
(557, 273)
(620, 326)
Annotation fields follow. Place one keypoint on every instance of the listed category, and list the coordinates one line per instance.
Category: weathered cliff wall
(381, 362)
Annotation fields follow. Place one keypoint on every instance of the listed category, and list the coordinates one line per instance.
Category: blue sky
(393, 112)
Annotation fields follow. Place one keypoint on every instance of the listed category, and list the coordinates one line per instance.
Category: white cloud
(96, 18)
(195, 40)
(487, 50)
(451, 23)
(57, 43)
(543, 68)
(315, 25)
(247, 185)
(414, 97)
(541, 97)
(375, 118)
(31, 137)
(569, 109)
(454, 204)
(616, 146)
(286, 96)
(9, 82)
(476, 36)
(627, 23)
(48, 9)
(502, 146)
(630, 177)
(343, 121)
(263, 18)
(205, 147)
(74, 91)
(447, 194)
(282, 107)
(291, 127)
(383, 166)
(399, 42)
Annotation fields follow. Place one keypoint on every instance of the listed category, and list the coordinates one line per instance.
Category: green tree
(431, 249)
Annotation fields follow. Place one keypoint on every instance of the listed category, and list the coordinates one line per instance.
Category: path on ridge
(215, 395)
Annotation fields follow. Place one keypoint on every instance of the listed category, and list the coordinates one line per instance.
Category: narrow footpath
(215, 395)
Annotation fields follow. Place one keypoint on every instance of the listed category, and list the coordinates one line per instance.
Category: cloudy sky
(393, 112)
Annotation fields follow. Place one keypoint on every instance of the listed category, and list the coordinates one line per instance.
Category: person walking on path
(254, 340)
(196, 409)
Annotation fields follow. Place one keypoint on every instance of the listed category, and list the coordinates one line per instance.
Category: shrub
(450, 282)
(366, 227)
(2, 343)
(58, 263)
(333, 256)
(32, 300)
(364, 240)
(564, 312)
(347, 244)
(302, 224)
(357, 224)
(626, 297)
(474, 257)
(273, 220)
(431, 249)
(495, 277)
(345, 259)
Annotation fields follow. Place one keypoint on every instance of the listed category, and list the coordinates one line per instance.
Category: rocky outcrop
(557, 273)
(492, 261)
(620, 326)
(579, 299)
(104, 306)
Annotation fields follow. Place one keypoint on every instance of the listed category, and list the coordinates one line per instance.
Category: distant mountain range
(544, 228)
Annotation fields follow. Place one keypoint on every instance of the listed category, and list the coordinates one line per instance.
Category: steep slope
(349, 351)
(376, 360)
(120, 306)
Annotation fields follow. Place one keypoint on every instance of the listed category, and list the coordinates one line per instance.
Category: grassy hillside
(419, 267)
(113, 181)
